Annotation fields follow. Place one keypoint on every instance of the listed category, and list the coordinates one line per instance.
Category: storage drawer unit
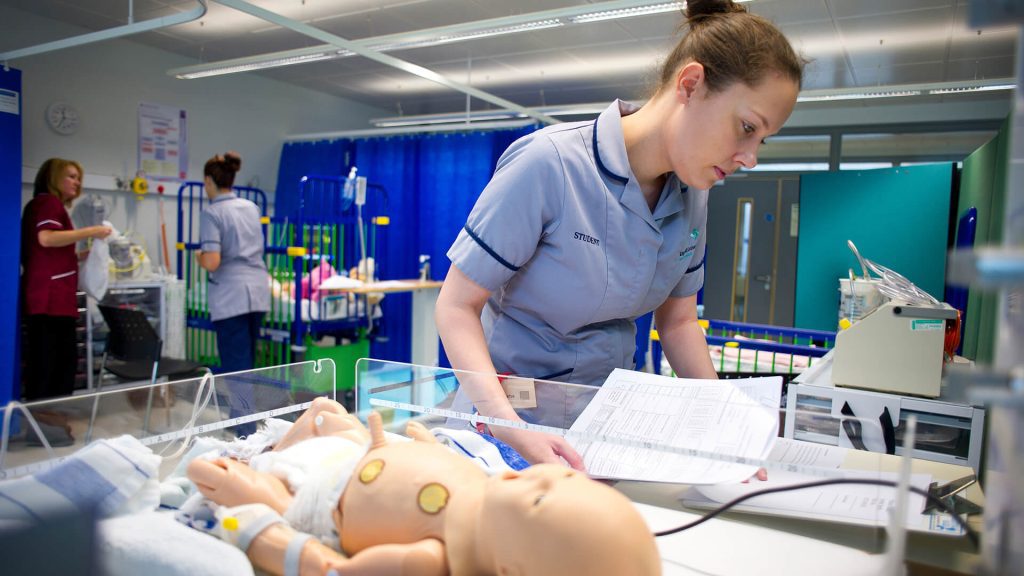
(946, 432)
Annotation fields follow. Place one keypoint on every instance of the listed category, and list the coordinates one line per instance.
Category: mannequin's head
(549, 519)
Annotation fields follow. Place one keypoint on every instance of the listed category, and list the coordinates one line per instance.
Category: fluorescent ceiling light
(431, 119)
(857, 95)
(485, 115)
(978, 88)
(628, 12)
(902, 90)
(264, 64)
(577, 109)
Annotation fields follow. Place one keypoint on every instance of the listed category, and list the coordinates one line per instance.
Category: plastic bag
(94, 276)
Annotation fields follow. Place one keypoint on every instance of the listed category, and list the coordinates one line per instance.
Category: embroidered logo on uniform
(689, 250)
(585, 238)
(694, 233)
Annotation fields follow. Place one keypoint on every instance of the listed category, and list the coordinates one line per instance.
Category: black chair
(134, 348)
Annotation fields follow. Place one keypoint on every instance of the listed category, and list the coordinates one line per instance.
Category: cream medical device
(897, 348)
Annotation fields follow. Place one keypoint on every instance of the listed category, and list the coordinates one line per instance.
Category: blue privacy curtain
(427, 184)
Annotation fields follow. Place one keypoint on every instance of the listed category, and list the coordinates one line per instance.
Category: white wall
(106, 81)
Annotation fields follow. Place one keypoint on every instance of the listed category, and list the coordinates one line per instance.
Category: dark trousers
(236, 341)
(51, 356)
(236, 344)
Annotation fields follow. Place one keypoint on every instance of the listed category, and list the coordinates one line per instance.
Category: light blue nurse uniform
(565, 242)
(240, 285)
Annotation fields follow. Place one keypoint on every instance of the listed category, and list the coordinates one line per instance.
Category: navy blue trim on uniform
(601, 166)
(487, 249)
(697, 267)
(555, 375)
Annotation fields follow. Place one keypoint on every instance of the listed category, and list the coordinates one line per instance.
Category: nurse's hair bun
(232, 161)
(699, 10)
(222, 168)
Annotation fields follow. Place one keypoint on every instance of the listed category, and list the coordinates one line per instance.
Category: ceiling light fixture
(857, 95)
(431, 119)
(591, 110)
(628, 12)
(264, 64)
(976, 88)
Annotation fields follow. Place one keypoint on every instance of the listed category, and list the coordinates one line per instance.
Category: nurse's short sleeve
(521, 203)
(693, 280)
(49, 214)
(209, 232)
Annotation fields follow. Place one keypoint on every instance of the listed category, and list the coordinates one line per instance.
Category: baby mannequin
(417, 508)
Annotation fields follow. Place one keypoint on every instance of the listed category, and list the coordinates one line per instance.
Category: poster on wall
(163, 146)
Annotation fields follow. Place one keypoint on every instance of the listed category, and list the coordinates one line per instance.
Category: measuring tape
(41, 466)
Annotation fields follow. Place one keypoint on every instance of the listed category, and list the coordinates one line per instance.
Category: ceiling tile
(903, 74)
(827, 72)
(980, 68)
(987, 45)
(898, 38)
(497, 46)
(869, 8)
(647, 27)
(783, 12)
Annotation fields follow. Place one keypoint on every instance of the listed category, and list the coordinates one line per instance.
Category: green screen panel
(976, 183)
(897, 217)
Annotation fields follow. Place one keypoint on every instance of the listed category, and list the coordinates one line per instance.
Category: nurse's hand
(100, 231)
(539, 448)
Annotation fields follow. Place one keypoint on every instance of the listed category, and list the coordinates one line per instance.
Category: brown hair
(222, 169)
(733, 45)
(49, 175)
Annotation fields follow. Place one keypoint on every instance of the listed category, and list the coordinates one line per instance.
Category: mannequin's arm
(232, 483)
(423, 558)
(269, 548)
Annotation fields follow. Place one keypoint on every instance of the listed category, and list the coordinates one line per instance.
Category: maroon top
(50, 275)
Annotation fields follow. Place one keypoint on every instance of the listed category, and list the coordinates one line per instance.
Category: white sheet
(154, 544)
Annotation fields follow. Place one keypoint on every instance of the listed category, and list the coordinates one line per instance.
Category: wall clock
(63, 118)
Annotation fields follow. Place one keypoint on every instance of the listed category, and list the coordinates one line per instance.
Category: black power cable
(724, 507)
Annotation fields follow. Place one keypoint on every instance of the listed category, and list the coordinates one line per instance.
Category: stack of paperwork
(731, 419)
